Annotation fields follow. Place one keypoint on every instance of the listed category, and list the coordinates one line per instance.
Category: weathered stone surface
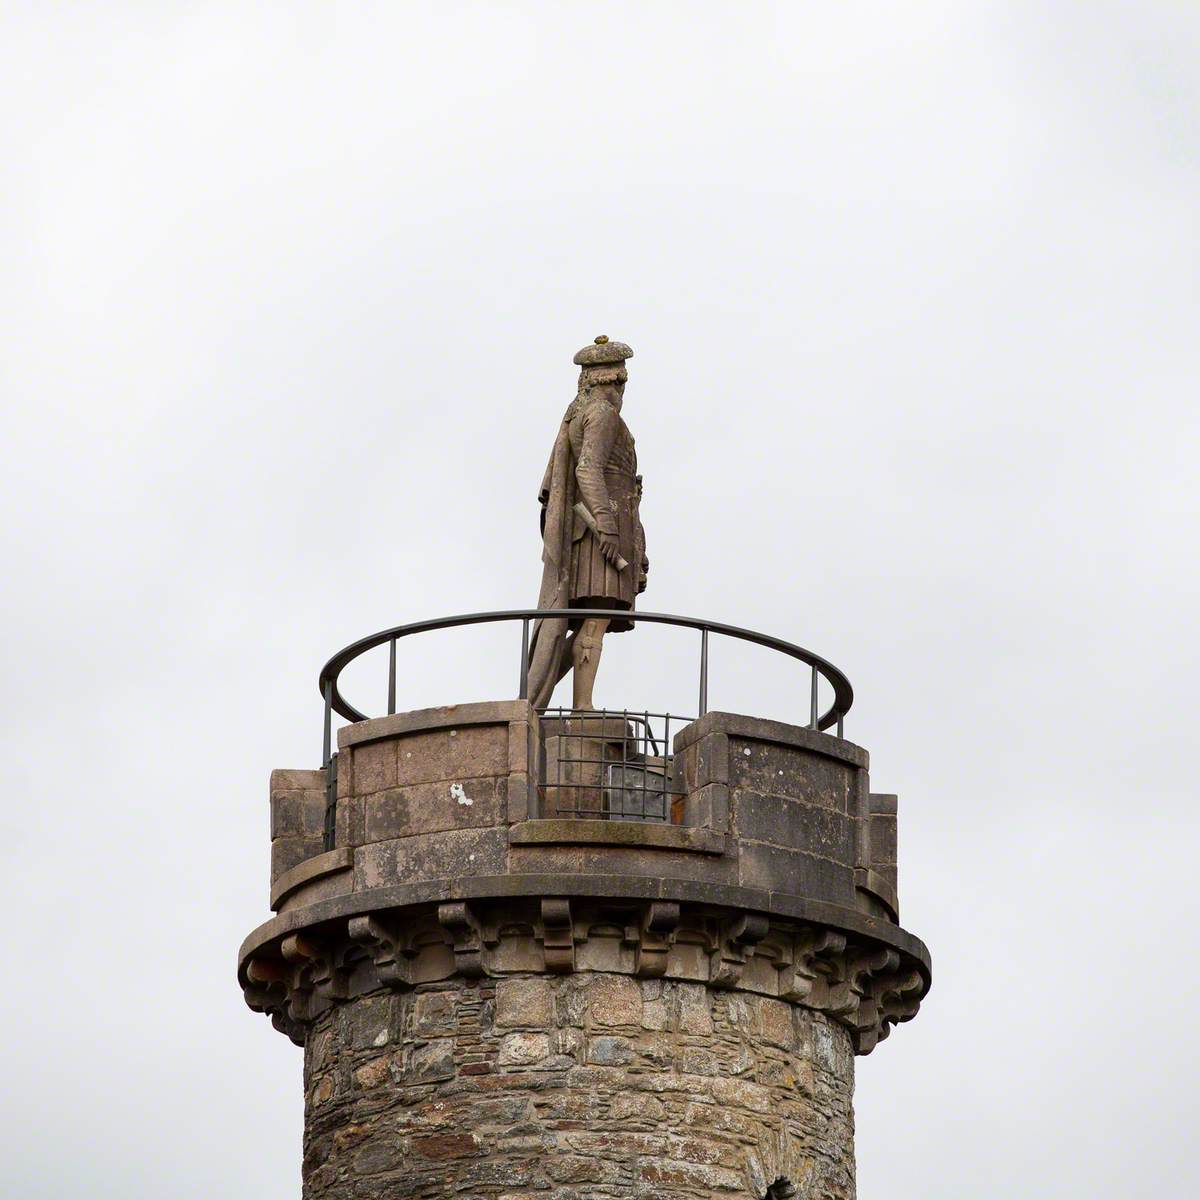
(432, 808)
(524, 1003)
(780, 870)
(448, 754)
(287, 853)
(614, 1000)
(732, 1093)
(431, 856)
(778, 770)
(794, 823)
(297, 818)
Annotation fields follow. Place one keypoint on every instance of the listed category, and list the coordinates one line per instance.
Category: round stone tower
(559, 956)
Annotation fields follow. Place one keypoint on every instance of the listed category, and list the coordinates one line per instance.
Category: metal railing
(328, 681)
(608, 764)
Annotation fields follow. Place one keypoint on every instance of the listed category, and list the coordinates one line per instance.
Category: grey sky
(289, 301)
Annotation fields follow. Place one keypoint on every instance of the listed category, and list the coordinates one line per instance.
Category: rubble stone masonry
(576, 1087)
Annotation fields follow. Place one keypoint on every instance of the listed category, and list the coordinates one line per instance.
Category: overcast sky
(289, 298)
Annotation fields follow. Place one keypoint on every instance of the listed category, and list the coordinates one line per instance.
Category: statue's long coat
(593, 460)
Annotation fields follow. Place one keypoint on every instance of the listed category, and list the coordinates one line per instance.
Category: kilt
(595, 582)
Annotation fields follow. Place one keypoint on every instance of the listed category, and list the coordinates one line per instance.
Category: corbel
(660, 920)
(558, 935)
(735, 944)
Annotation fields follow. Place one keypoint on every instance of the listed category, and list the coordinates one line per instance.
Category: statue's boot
(585, 657)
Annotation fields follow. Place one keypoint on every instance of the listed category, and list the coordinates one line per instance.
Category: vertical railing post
(812, 706)
(330, 770)
(523, 693)
(703, 672)
(327, 740)
(392, 677)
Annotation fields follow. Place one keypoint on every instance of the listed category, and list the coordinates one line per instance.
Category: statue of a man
(593, 544)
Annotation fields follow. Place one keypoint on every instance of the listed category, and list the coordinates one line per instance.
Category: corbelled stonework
(500, 1003)
(865, 987)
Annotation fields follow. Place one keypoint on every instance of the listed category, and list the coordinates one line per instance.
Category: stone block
(431, 808)
(451, 754)
(516, 799)
(777, 1023)
(427, 1062)
(705, 761)
(521, 745)
(344, 771)
(297, 812)
(379, 1155)
(289, 852)
(620, 860)
(443, 1146)
(791, 771)
(373, 1073)
(795, 824)
(371, 1023)
(795, 873)
(374, 766)
(349, 823)
(433, 1013)
(448, 855)
(614, 1001)
(524, 1003)
(609, 1051)
(884, 803)
(707, 807)
(695, 1008)
(523, 1049)
(883, 840)
(288, 780)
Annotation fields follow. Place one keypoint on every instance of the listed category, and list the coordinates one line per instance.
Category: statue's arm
(600, 425)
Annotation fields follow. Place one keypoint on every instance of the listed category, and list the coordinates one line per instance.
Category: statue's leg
(585, 656)
(565, 661)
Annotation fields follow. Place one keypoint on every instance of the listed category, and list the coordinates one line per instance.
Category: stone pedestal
(499, 1002)
(577, 751)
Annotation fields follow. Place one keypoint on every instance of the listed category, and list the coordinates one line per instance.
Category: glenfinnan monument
(540, 953)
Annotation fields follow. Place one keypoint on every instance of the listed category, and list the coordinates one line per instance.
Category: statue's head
(603, 372)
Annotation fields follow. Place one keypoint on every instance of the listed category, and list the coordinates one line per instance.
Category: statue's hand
(642, 577)
(544, 497)
(610, 547)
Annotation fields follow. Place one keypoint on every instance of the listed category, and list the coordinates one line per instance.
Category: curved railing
(820, 668)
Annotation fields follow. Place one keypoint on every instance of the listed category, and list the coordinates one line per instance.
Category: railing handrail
(335, 702)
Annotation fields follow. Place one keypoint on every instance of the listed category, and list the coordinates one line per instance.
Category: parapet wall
(450, 792)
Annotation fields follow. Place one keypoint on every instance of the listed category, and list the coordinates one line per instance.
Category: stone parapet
(453, 792)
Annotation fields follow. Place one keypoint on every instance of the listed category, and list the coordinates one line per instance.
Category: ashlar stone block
(524, 1003)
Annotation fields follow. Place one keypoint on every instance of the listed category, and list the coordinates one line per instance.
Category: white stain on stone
(457, 793)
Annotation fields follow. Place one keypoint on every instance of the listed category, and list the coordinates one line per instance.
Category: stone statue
(593, 544)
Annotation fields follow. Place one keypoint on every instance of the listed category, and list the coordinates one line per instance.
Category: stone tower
(542, 955)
